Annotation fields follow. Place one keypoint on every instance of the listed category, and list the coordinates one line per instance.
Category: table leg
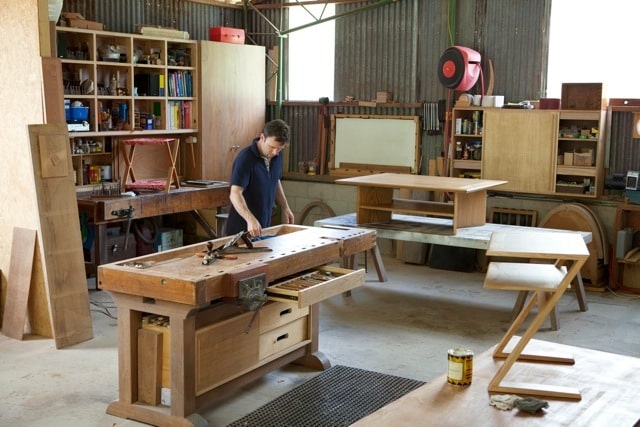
(172, 175)
(128, 169)
(546, 305)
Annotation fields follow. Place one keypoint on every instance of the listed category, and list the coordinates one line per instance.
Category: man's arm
(287, 214)
(240, 205)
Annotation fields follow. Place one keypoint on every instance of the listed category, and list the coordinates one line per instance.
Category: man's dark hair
(278, 129)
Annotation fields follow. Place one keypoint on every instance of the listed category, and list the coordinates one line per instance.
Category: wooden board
(61, 244)
(18, 283)
(375, 140)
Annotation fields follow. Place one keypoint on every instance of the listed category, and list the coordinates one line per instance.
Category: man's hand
(287, 216)
(253, 227)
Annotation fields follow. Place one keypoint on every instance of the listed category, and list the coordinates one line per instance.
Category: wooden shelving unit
(580, 151)
(527, 148)
(467, 139)
(133, 86)
(626, 270)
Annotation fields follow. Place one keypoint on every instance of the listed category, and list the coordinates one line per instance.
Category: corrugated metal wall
(625, 150)
(394, 47)
(125, 15)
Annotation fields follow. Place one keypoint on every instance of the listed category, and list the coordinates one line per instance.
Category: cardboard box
(568, 159)
(226, 35)
(583, 159)
(382, 97)
(83, 23)
(169, 238)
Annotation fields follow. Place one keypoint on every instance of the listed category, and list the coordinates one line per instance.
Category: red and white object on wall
(459, 68)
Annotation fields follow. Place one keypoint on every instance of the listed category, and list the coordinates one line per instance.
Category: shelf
(467, 164)
(132, 64)
(589, 171)
(415, 207)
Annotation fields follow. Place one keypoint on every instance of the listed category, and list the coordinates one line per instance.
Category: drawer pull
(282, 337)
(285, 312)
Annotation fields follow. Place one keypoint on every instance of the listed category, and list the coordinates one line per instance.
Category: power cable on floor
(103, 308)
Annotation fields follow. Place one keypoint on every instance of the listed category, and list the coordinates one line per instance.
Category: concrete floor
(403, 327)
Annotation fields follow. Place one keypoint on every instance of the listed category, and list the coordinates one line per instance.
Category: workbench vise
(248, 286)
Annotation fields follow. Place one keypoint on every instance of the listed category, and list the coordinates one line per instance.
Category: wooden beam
(19, 282)
(60, 241)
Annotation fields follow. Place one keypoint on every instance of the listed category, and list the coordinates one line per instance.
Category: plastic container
(79, 113)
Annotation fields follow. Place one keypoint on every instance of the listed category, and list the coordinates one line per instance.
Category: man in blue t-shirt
(255, 182)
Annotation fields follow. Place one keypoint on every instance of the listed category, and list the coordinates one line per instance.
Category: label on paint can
(94, 174)
(460, 369)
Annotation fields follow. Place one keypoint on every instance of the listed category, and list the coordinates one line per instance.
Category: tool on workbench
(128, 214)
(231, 247)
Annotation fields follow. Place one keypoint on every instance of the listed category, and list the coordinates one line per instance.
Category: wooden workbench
(216, 345)
(102, 211)
(376, 201)
(610, 384)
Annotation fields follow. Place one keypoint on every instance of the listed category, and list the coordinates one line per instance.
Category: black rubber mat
(336, 397)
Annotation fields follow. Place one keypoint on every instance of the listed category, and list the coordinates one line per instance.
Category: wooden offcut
(18, 283)
(149, 366)
(61, 243)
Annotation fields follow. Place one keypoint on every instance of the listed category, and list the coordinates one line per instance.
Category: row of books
(179, 115)
(180, 83)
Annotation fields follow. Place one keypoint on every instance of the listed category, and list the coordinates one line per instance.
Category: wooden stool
(547, 282)
(172, 145)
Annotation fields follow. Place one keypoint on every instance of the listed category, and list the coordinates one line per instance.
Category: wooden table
(609, 382)
(376, 202)
(103, 211)
(215, 344)
(560, 256)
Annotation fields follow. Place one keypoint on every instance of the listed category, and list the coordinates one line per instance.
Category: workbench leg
(314, 359)
(578, 285)
(377, 262)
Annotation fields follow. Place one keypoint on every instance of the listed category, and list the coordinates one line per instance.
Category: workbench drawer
(284, 337)
(275, 314)
(312, 286)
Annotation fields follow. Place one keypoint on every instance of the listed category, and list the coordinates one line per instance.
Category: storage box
(169, 238)
(83, 23)
(382, 97)
(571, 188)
(583, 96)
(568, 159)
(549, 103)
(226, 34)
(583, 159)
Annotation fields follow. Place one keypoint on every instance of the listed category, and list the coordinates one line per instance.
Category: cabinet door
(232, 101)
(520, 147)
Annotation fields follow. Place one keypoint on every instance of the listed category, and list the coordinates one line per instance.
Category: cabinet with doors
(519, 147)
(232, 105)
(551, 152)
(119, 85)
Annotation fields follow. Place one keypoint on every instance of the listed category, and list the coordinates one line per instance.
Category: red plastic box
(226, 34)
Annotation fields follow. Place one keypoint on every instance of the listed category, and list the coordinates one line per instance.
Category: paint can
(94, 174)
(460, 370)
